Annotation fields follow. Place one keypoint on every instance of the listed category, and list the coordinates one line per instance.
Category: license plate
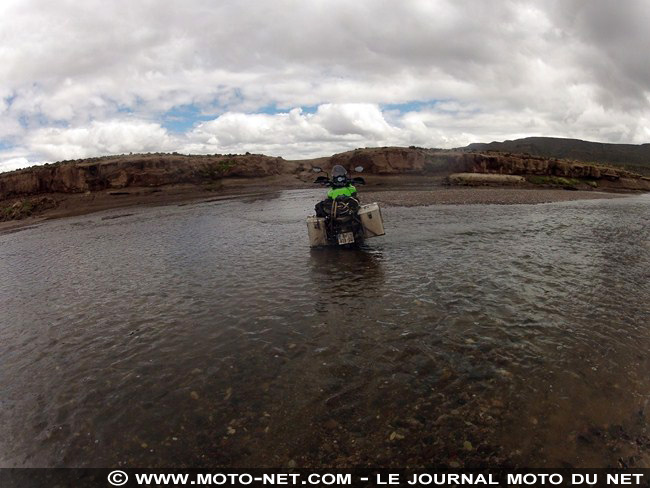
(346, 238)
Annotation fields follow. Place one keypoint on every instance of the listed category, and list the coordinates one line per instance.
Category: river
(210, 334)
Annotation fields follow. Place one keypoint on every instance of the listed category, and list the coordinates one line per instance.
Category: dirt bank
(158, 170)
(469, 196)
(84, 186)
(389, 190)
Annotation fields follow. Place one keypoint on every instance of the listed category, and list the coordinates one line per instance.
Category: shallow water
(210, 334)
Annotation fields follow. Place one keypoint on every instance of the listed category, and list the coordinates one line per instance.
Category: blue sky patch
(10, 99)
(413, 106)
(272, 109)
(182, 118)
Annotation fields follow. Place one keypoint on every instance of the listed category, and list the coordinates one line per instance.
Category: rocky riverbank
(77, 187)
(481, 196)
(68, 205)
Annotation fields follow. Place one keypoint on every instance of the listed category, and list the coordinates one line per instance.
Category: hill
(158, 169)
(123, 180)
(631, 157)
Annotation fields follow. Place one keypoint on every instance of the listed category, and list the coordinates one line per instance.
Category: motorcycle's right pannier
(371, 220)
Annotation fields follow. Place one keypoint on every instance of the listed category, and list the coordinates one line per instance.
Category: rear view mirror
(321, 179)
(359, 181)
(358, 169)
(316, 169)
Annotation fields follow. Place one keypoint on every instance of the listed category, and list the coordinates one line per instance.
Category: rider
(342, 188)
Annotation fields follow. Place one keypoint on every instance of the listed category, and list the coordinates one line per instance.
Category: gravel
(463, 196)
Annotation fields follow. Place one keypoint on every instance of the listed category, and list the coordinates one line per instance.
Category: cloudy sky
(306, 78)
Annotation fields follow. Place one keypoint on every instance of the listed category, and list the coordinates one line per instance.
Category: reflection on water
(347, 273)
(211, 334)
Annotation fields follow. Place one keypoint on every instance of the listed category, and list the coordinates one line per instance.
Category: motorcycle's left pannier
(317, 231)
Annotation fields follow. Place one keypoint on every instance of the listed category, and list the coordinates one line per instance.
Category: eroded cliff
(143, 170)
(154, 170)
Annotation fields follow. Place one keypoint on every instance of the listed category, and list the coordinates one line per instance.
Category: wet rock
(584, 439)
(414, 423)
(331, 424)
(442, 419)
(396, 436)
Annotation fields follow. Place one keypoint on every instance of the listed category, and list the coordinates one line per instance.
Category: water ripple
(185, 328)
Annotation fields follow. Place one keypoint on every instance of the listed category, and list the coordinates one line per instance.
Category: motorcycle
(343, 221)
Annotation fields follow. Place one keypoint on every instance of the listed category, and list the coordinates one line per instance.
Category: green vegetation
(16, 211)
(571, 183)
(224, 166)
(215, 171)
(24, 208)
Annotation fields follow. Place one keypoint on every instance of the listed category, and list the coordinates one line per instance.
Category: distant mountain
(629, 156)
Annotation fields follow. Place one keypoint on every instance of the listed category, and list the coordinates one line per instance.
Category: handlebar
(322, 180)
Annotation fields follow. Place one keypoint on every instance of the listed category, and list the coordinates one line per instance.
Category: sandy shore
(465, 196)
(388, 191)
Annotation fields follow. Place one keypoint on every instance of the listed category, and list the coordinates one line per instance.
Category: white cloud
(339, 127)
(70, 71)
(294, 134)
(99, 138)
(15, 163)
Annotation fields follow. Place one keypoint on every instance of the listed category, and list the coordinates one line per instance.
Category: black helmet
(339, 176)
